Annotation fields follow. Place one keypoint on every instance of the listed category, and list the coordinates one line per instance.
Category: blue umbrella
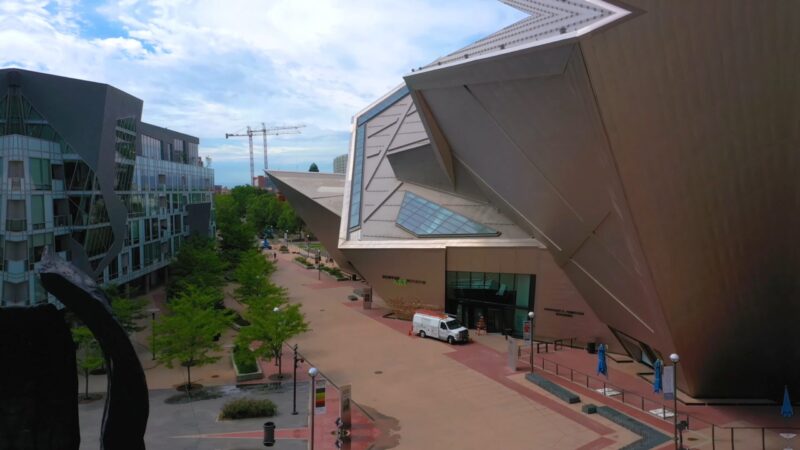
(658, 384)
(786, 409)
(602, 368)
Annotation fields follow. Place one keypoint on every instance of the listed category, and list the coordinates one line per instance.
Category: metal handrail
(584, 379)
(16, 224)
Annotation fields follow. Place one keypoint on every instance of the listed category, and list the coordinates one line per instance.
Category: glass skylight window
(424, 218)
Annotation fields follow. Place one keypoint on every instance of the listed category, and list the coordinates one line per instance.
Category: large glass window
(424, 218)
(40, 173)
(37, 211)
(502, 299)
(358, 175)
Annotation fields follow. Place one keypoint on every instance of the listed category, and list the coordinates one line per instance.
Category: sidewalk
(427, 394)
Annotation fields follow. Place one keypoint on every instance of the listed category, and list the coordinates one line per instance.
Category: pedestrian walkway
(421, 384)
(425, 393)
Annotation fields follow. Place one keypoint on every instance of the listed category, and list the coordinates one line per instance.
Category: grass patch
(248, 408)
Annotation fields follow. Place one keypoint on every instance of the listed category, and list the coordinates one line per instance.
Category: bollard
(269, 434)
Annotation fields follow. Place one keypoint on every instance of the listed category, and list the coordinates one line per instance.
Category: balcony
(16, 225)
(15, 271)
(15, 184)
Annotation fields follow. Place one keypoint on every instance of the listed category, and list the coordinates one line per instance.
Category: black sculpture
(38, 380)
(126, 408)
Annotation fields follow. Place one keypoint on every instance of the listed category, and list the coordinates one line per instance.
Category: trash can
(269, 434)
(591, 347)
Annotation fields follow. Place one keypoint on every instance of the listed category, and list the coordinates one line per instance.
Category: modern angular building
(84, 177)
(649, 146)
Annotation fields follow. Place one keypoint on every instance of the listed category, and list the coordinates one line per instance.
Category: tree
(127, 311)
(89, 356)
(313, 167)
(197, 264)
(236, 238)
(252, 274)
(188, 333)
(273, 321)
(288, 220)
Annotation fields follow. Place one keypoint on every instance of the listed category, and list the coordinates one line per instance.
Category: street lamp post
(153, 312)
(675, 358)
(312, 372)
(276, 310)
(530, 318)
(294, 382)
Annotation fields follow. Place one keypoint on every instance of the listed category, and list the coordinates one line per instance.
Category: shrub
(283, 249)
(302, 260)
(247, 408)
(245, 360)
(336, 272)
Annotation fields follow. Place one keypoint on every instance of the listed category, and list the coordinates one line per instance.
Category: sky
(212, 67)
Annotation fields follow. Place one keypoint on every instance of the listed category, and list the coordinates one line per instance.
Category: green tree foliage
(313, 167)
(89, 356)
(263, 211)
(127, 311)
(236, 238)
(252, 274)
(189, 333)
(197, 264)
(242, 195)
(273, 321)
(288, 220)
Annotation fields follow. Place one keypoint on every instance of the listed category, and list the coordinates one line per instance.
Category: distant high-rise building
(340, 164)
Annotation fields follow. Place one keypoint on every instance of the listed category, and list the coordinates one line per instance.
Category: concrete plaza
(411, 393)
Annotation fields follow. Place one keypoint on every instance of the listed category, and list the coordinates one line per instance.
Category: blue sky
(212, 67)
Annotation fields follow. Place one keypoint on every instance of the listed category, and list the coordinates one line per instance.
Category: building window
(40, 173)
(502, 299)
(425, 219)
(37, 212)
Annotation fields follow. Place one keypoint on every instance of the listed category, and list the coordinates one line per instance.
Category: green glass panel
(37, 209)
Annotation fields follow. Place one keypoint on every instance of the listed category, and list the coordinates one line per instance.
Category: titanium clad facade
(82, 176)
(656, 158)
(425, 235)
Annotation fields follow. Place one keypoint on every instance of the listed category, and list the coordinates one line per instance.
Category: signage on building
(399, 281)
(319, 398)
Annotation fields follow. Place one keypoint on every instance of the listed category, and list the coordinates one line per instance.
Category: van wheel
(450, 340)
(421, 334)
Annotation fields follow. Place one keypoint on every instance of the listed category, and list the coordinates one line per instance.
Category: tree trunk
(86, 381)
(188, 377)
(279, 355)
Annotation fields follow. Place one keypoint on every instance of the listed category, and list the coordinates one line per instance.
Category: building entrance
(502, 299)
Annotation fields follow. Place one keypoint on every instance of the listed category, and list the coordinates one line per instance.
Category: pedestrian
(275, 256)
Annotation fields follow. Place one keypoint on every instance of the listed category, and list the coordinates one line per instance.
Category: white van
(440, 326)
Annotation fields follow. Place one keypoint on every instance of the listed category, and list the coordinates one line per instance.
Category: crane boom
(264, 131)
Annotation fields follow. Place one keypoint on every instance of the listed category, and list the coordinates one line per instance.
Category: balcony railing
(15, 184)
(15, 271)
(61, 221)
(16, 224)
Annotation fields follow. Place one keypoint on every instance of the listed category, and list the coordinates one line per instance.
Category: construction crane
(263, 131)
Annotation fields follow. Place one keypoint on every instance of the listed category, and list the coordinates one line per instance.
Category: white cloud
(211, 67)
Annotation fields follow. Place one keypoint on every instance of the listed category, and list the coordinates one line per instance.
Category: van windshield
(453, 324)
